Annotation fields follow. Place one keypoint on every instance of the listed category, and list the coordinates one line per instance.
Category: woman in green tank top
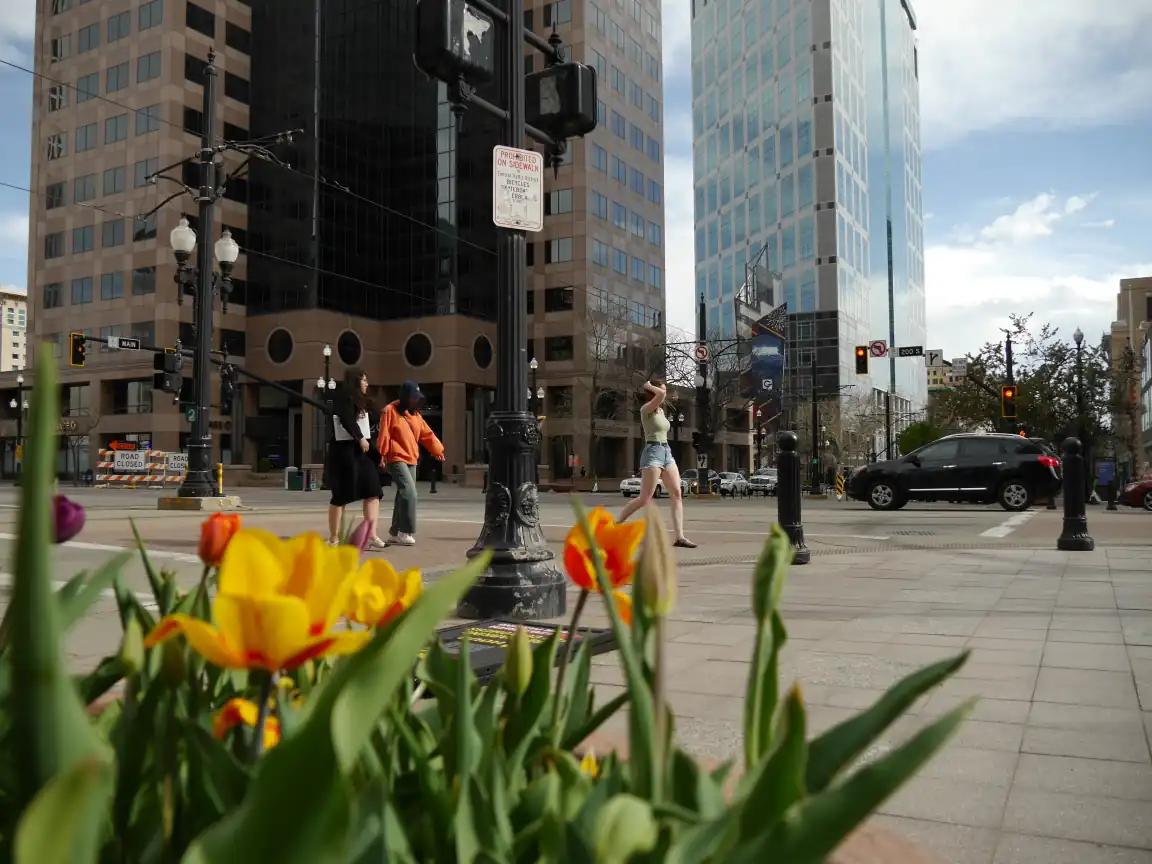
(656, 462)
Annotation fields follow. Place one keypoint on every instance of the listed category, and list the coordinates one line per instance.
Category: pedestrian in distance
(352, 462)
(656, 462)
(402, 432)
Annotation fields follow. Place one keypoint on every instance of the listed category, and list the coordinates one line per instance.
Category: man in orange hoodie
(402, 432)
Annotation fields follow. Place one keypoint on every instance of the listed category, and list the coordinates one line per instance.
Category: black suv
(1010, 469)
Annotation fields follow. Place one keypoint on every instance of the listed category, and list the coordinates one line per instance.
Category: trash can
(293, 479)
(311, 480)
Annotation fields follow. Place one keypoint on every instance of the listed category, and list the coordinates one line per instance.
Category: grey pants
(404, 507)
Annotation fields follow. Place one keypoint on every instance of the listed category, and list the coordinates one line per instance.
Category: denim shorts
(656, 456)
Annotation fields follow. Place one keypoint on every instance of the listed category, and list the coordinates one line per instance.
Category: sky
(1037, 131)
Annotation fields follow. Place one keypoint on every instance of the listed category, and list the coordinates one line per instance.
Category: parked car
(630, 486)
(1008, 469)
(708, 479)
(1138, 494)
(763, 482)
(732, 483)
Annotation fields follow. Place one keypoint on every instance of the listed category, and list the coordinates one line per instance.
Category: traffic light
(227, 387)
(1008, 401)
(77, 348)
(166, 371)
(861, 359)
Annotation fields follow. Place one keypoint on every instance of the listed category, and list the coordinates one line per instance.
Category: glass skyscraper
(806, 154)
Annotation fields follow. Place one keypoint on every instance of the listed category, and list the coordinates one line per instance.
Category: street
(1054, 764)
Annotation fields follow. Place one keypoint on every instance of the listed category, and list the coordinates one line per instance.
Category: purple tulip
(359, 538)
(67, 519)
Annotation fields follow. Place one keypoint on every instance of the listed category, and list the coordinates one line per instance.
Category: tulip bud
(518, 663)
(215, 533)
(172, 663)
(132, 648)
(657, 568)
(67, 519)
(358, 539)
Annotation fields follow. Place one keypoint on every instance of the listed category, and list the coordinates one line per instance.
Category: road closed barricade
(129, 469)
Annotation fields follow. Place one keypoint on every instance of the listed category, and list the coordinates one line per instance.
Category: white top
(341, 433)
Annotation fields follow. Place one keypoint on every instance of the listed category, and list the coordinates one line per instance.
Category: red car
(1138, 494)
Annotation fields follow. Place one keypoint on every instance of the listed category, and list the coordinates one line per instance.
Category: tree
(917, 435)
(1127, 409)
(1045, 374)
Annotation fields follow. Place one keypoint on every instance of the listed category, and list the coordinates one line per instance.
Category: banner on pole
(769, 341)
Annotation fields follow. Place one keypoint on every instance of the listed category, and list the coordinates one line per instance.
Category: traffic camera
(861, 359)
(77, 348)
(1008, 401)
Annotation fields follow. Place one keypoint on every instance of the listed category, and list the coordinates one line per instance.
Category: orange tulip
(237, 711)
(616, 544)
(215, 533)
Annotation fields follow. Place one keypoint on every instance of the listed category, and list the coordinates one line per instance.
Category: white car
(732, 483)
(631, 486)
(763, 482)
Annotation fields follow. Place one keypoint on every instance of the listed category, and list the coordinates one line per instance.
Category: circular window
(279, 345)
(418, 350)
(482, 352)
(348, 348)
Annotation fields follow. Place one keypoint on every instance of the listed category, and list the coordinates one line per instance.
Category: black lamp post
(22, 405)
(758, 433)
(326, 387)
(1078, 338)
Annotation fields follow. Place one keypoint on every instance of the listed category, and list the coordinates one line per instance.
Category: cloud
(17, 29)
(986, 64)
(1103, 223)
(1020, 264)
(1032, 219)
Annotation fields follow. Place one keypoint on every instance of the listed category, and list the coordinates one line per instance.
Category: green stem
(202, 592)
(660, 684)
(265, 697)
(566, 658)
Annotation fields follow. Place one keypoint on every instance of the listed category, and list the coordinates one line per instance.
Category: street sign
(190, 414)
(517, 189)
(177, 461)
(934, 358)
(960, 367)
(122, 445)
(125, 461)
(123, 343)
(702, 460)
(700, 352)
(878, 348)
(910, 351)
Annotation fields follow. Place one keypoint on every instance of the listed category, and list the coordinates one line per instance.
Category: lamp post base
(532, 590)
(206, 504)
(1075, 543)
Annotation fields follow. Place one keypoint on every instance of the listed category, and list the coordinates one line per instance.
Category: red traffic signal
(861, 359)
(1008, 402)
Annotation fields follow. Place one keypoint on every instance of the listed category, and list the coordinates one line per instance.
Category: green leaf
(705, 843)
(624, 827)
(694, 788)
(833, 751)
(578, 699)
(814, 828)
(154, 581)
(128, 605)
(63, 823)
(524, 714)
(79, 599)
(100, 680)
(763, 690)
(51, 732)
(603, 714)
(779, 779)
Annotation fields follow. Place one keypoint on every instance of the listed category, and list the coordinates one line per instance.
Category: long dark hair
(350, 385)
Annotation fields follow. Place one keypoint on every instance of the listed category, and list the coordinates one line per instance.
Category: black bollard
(435, 471)
(1074, 537)
(788, 496)
(1112, 495)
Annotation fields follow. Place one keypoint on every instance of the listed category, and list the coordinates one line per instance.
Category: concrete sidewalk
(1054, 765)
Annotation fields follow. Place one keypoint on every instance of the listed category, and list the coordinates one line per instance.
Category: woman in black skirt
(353, 464)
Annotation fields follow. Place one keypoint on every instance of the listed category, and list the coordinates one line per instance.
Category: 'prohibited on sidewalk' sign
(517, 189)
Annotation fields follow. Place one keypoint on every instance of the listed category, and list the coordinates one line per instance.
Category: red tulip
(67, 519)
(215, 533)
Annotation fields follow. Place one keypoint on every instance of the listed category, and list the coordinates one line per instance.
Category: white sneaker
(403, 540)
(376, 544)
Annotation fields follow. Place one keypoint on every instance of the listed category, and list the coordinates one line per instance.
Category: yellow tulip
(276, 604)
(589, 765)
(378, 593)
(237, 711)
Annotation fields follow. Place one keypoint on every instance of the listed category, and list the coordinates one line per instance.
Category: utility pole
(703, 409)
(814, 463)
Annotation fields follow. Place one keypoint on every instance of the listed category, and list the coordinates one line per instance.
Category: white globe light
(182, 237)
(227, 249)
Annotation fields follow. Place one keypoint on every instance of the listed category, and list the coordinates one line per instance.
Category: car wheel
(626, 495)
(1147, 501)
(1014, 495)
(882, 496)
(659, 493)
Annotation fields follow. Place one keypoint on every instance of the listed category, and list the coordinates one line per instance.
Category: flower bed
(281, 721)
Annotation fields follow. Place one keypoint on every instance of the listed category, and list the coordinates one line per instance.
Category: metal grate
(914, 533)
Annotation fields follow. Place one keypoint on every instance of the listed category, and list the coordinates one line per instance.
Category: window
(147, 119)
(84, 188)
(237, 88)
(599, 158)
(56, 146)
(559, 299)
(53, 295)
(112, 234)
(59, 6)
(144, 229)
(654, 192)
(558, 348)
(637, 181)
(980, 448)
(148, 67)
(54, 245)
(119, 26)
(237, 37)
(600, 253)
(86, 137)
(111, 286)
(597, 204)
(654, 234)
(653, 149)
(200, 19)
(636, 225)
(619, 125)
(559, 201)
(116, 78)
(60, 48)
(114, 180)
(194, 69)
(653, 108)
(559, 12)
(88, 38)
(151, 14)
(145, 169)
(619, 215)
(655, 276)
(638, 269)
(144, 280)
(116, 129)
(652, 66)
(618, 81)
(83, 239)
(54, 196)
(558, 250)
(636, 137)
(57, 97)
(145, 331)
(82, 291)
(620, 261)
